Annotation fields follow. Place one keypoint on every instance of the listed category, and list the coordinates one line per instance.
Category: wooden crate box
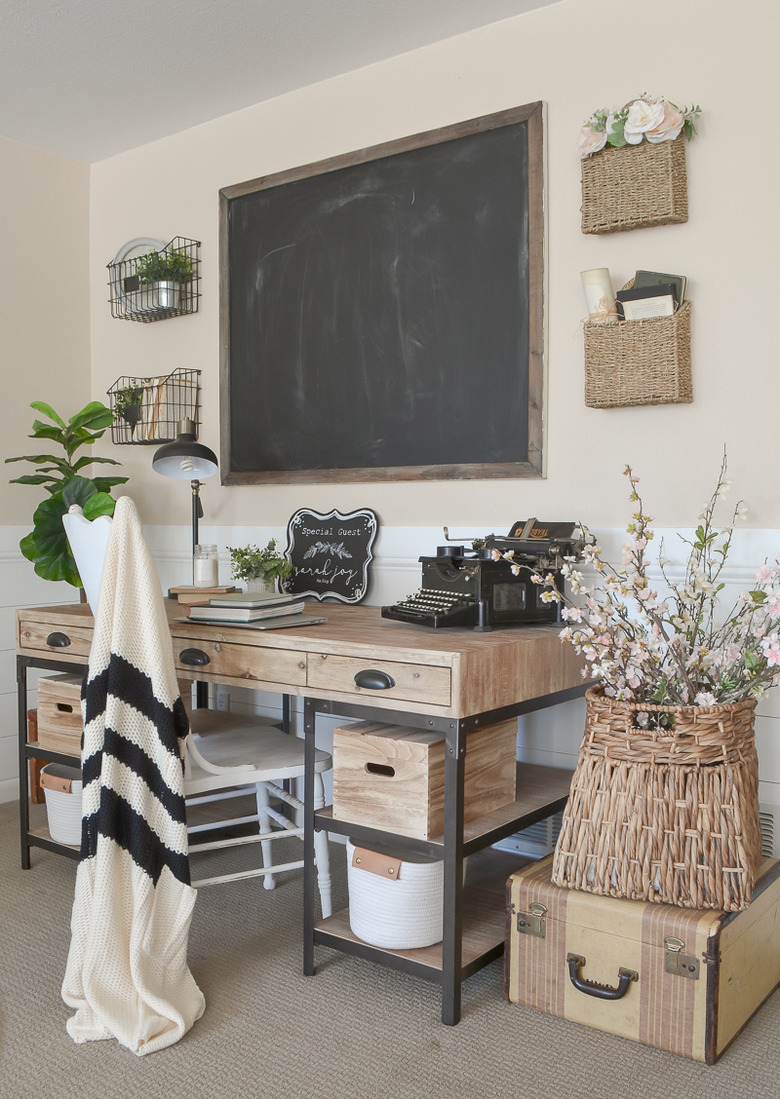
(59, 714)
(392, 777)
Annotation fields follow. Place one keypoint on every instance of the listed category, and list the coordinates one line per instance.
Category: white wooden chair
(227, 755)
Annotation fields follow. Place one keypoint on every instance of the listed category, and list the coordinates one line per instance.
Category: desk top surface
(484, 670)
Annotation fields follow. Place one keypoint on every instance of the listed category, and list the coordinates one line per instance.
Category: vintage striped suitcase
(678, 979)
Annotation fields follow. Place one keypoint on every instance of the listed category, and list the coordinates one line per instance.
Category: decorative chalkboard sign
(382, 312)
(330, 554)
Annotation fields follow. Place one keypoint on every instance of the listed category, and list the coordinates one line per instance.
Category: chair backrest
(88, 542)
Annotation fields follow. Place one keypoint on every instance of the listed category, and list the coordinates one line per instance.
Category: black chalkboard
(330, 554)
(382, 312)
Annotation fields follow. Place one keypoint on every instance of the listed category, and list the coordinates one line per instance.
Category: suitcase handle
(591, 988)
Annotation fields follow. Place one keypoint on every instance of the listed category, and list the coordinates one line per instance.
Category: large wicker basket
(667, 814)
(639, 362)
(634, 187)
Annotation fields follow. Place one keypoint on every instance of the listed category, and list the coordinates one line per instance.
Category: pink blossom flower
(771, 649)
(590, 141)
(668, 128)
(705, 698)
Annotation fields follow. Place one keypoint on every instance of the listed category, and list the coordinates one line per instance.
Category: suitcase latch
(684, 965)
(532, 922)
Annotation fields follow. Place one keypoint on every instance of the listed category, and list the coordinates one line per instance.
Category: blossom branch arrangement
(681, 649)
(647, 118)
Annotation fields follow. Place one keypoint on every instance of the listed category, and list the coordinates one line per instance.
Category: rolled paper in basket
(599, 295)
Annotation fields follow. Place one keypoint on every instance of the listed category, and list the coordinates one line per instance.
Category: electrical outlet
(223, 698)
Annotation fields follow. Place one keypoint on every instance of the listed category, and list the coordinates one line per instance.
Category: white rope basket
(62, 788)
(395, 903)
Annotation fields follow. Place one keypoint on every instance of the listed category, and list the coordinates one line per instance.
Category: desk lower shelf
(483, 923)
(541, 791)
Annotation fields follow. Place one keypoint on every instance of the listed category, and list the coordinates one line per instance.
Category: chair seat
(254, 747)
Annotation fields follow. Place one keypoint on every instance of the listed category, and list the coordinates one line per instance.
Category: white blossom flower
(643, 115)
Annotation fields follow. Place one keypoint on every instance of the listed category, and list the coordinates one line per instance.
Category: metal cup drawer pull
(591, 988)
(58, 640)
(194, 657)
(372, 679)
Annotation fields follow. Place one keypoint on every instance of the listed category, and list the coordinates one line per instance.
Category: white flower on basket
(681, 648)
(650, 118)
(590, 141)
(669, 128)
(643, 115)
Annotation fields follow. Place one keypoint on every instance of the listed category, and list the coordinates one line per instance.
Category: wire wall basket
(163, 282)
(148, 410)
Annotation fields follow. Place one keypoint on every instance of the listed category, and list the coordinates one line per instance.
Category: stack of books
(653, 294)
(189, 596)
(240, 607)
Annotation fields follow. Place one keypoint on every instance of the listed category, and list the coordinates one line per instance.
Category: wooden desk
(451, 681)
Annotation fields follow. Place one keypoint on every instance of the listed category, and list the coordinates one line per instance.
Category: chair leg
(322, 854)
(264, 822)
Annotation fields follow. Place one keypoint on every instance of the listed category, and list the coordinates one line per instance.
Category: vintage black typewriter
(463, 587)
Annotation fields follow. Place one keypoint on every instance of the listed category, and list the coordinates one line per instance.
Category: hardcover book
(243, 614)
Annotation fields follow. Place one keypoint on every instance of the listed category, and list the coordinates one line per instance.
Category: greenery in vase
(680, 647)
(164, 267)
(129, 396)
(62, 478)
(253, 563)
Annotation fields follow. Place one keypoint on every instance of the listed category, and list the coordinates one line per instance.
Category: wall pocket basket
(635, 187)
(149, 280)
(667, 813)
(639, 362)
(148, 410)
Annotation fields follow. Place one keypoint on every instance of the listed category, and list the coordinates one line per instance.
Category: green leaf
(100, 503)
(94, 416)
(47, 410)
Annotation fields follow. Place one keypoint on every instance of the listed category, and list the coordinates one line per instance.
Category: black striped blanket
(127, 975)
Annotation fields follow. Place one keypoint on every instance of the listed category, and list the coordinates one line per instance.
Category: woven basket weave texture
(639, 362)
(664, 814)
(401, 914)
(635, 187)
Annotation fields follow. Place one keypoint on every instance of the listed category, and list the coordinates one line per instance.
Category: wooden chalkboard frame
(530, 264)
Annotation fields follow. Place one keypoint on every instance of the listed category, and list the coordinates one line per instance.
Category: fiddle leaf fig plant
(63, 479)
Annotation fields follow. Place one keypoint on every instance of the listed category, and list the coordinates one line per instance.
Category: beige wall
(44, 301)
(44, 355)
(575, 56)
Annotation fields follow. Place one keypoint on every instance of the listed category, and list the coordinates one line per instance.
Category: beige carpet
(353, 1031)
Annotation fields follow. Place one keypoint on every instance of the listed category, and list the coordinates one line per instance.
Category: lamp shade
(185, 458)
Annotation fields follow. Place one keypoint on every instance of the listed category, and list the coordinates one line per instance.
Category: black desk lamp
(187, 460)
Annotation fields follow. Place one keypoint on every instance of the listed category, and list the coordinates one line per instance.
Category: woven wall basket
(666, 815)
(639, 362)
(634, 187)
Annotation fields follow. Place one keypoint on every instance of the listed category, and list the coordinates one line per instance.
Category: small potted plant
(259, 568)
(127, 404)
(162, 275)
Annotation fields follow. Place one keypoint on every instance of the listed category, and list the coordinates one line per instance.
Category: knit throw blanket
(127, 975)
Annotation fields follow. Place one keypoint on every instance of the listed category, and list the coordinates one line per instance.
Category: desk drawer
(422, 683)
(71, 642)
(197, 658)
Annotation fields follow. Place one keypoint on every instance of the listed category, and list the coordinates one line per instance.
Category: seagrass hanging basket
(641, 362)
(634, 187)
(667, 813)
